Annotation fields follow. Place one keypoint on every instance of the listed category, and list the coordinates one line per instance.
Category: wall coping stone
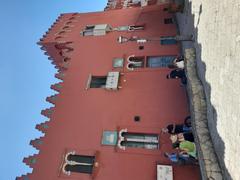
(209, 165)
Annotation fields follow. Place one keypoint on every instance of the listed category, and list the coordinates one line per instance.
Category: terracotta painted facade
(144, 101)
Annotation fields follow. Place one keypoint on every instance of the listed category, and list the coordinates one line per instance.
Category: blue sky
(26, 74)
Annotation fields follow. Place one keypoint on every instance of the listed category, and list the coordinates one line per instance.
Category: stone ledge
(209, 165)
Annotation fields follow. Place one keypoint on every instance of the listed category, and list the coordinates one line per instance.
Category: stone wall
(209, 165)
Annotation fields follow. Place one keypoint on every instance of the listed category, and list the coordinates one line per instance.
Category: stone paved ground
(216, 26)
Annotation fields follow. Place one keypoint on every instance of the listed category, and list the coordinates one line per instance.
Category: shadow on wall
(186, 27)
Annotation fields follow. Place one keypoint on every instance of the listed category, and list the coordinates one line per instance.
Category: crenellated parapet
(60, 75)
(47, 112)
(43, 127)
(60, 28)
(37, 143)
(52, 99)
(50, 30)
(24, 177)
(55, 42)
(30, 160)
(57, 87)
(124, 4)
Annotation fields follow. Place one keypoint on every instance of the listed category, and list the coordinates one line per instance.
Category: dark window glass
(89, 27)
(81, 158)
(98, 81)
(168, 21)
(136, 62)
(136, 144)
(87, 33)
(140, 140)
(159, 61)
(168, 40)
(136, 27)
(79, 168)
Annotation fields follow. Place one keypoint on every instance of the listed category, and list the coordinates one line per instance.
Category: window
(168, 40)
(78, 163)
(135, 62)
(98, 81)
(109, 82)
(136, 27)
(135, 1)
(96, 30)
(168, 21)
(159, 61)
(131, 28)
(139, 140)
(133, 66)
(89, 27)
(88, 31)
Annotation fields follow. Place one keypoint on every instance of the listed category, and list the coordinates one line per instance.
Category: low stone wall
(209, 165)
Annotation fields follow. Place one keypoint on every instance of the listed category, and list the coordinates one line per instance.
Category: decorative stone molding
(209, 165)
(67, 162)
(121, 138)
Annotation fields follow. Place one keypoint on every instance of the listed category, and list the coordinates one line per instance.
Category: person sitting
(176, 129)
(177, 63)
(178, 74)
(185, 136)
(188, 121)
(176, 138)
(187, 147)
(181, 159)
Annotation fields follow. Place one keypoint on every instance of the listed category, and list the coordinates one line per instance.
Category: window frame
(75, 163)
(139, 139)
(145, 60)
(160, 57)
(168, 40)
(98, 82)
(88, 86)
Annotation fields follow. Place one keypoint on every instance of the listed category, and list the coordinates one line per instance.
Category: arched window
(135, 62)
(139, 140)
(88, 160)
(79, 168)
(78, 163)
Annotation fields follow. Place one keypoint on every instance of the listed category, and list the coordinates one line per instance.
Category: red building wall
(80, 116)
